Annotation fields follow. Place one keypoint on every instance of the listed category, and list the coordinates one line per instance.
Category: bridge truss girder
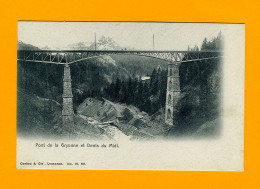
(73, 56)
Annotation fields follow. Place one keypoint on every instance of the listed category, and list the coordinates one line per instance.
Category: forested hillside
(199, 110)
(200, 101)
(147, 96)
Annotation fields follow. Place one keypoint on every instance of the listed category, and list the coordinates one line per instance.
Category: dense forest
(147, 96)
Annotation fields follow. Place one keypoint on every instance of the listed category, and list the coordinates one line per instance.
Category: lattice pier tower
(67, 108)
(173, 93)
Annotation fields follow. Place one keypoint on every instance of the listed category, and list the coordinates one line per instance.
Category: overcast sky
(168, 36)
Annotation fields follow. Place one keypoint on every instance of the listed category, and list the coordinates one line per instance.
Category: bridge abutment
(67, 107)
(173, 93)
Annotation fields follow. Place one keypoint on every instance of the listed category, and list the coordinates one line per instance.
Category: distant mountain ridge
(79, 46)
(104, 43)
(24, 46)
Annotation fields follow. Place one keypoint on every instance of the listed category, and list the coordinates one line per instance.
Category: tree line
(216, 43)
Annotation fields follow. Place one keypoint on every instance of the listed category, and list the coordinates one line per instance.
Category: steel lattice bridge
(73, 56)
(68, 57)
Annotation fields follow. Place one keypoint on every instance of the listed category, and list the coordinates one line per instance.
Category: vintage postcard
(130, 96)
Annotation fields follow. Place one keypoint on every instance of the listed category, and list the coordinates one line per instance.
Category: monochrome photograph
(101, 85)
(119, 84)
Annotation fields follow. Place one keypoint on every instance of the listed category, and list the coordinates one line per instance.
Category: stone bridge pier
(173, 93)
(67, 107)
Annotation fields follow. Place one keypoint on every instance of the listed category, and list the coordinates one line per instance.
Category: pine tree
(129, 92)
(117, 89)
(139, 95)
(204, 44)
(154, 83)
(123, 93)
